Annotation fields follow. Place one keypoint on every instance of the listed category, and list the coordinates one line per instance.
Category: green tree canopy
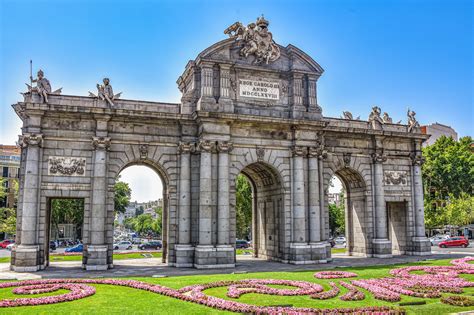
(448, 175)
(122, 196)
(243, 207)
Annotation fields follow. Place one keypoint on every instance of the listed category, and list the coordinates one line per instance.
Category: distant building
(437, 130)
(10, 166)
(334, 198)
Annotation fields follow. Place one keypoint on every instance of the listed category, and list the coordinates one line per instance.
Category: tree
(448, 174)
(243, 207)
(68, 211)
(139, 211)
(156, 226)
(337, 218)
(8, 215)
(460, 211)
(122, 196)
(143, 224)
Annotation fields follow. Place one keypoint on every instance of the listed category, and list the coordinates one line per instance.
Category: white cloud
(145, 183)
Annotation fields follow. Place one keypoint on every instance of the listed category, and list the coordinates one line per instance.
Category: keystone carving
(346, 157)
(30, 139)
(260, 151)
(68, 166)
(101, 143)
(143, 149)
(395, 178)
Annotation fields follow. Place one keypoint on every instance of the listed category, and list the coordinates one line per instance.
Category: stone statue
(412, 122)
(257, 40)
(43, 87)
(386, 118)
(374, 118)
(105, 92)
(347, 115)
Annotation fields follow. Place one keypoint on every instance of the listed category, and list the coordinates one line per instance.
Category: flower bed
(430, 284)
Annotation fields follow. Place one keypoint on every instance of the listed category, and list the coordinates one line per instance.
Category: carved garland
(68, 166)
(392, 178)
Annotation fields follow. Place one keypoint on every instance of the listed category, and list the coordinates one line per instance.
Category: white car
(10, 246)
(435, 240)
(340, 240)
(123, 245)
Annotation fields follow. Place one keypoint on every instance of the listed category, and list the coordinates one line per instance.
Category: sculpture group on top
(256, 39)
(43, 87)
(377, 122)
(105, 92)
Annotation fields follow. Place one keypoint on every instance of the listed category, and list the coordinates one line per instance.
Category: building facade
(10, 167)
(437, 130)
(249, 106)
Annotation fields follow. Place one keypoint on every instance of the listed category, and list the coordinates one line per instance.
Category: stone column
(97, 250)
(422, 245)
(207, 88)
(225, 102)
(322, 154)
(205, 191)
(314, 197)
(184, 214)
(382, 245)
(26, 253)
(223, 209)
(299, 200)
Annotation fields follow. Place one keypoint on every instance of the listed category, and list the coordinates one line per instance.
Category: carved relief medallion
(395, 178)
(66, 166)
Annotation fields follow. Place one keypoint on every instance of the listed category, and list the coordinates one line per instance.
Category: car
(454, 241)
(241, 244)
(52, 245)
(5, 243)
(435, 240)
(340, 240)
(123, 245)
(10, 246)
(151, 245)
(75, 249)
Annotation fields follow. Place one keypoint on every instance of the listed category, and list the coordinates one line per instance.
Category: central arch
(267, 210)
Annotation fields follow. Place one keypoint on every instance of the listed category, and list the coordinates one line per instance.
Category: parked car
(151, 245)
(75, 249)
(241, 244)
(340, 240)
(5, 243)
(454, 241)
(52, 245)
(435, 240)
(10, 246)
(123, 245)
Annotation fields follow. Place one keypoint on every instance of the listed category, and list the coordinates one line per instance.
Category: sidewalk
(148, 267)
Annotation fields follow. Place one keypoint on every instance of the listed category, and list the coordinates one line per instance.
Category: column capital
(417, 159)
(206, 146)
(224, 146)
(378, 157)
(101, 143)
(313, 152)
(186, 147)
(299, 151)
(30, 139)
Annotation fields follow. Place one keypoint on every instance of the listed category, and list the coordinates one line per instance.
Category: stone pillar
(298, 109)
(422, 245)
(223, 209)
(225, 102)
(299, 200)
(382, 245)
(27, 252)
(184, 214)
(322, 155)
(207, 88)
(205, 190)
(314, 197)
(97, 250)
(314, 111)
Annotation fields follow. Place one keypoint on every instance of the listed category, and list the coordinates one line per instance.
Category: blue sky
(395, 54)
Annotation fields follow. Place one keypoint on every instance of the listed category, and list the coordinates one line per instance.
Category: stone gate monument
(249, 106)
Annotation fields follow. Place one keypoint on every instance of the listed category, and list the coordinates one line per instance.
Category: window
(5, 171)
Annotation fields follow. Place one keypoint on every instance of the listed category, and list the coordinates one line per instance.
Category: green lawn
(114, 299)
(79, 257)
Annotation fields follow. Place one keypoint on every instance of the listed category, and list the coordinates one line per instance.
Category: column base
(421, 246)
(382, 248)
(184, 255)
(312, 253)
(96, 258)
(210, 257)
(26, 259)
